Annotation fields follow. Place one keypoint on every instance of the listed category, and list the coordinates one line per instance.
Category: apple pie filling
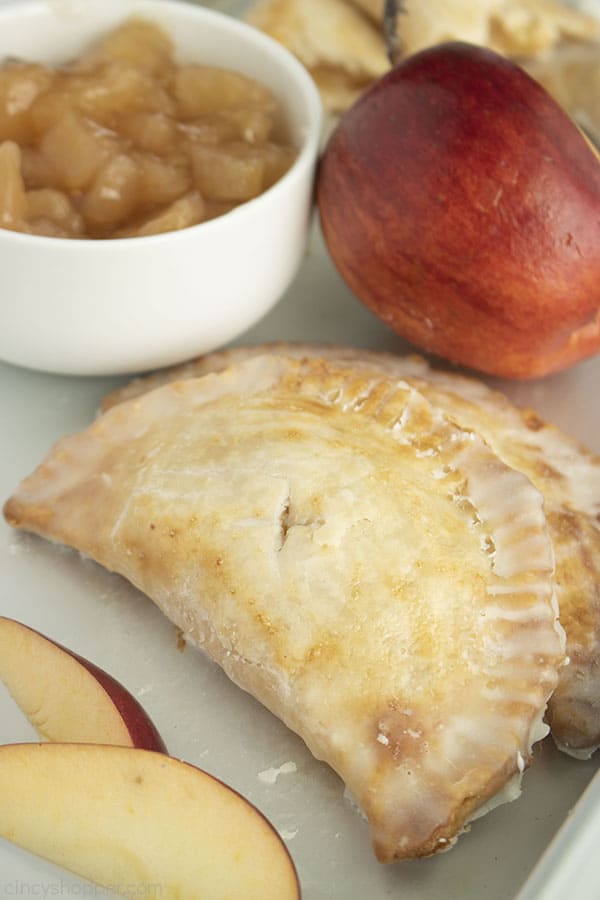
(126, 142)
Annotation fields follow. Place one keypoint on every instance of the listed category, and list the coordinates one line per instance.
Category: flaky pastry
(423, 24)
(572, 77)
(345, 51)
(567, 474)
(372, 573)
(341, 49)
(517, 28)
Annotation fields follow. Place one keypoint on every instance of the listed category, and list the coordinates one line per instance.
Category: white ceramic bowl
(124, 305)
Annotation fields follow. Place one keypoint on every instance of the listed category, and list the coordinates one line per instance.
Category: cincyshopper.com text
(46, 889)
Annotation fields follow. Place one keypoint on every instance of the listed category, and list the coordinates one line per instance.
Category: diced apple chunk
(200, 90)
(123, 816)
(162, 180)
(278, 159)
(52, 213)
(20, 84)
(115, 90)
(251, 125)
(187, 211)
(154, 132)
(50, 107)
(228, 172)
(12, 188)
(137, 41)
(74, 151)
(113, 194)
(119, 88)
(47, 228)
(215, 208)
(36, 169)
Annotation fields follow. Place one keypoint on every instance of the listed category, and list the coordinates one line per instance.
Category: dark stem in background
(393, 44)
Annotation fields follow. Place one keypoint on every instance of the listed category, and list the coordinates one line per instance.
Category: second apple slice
(131, 819)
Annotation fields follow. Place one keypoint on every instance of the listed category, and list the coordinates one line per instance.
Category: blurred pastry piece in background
(342, 49)
(516, 28)
(428, 22)
(341, 43)
(532, 28)
(572, 76)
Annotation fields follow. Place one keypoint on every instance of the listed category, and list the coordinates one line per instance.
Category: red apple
(130, 819)
(68, 698)
(462, 205)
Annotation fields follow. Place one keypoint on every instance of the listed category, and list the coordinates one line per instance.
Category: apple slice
(126, 818)
(67, 698)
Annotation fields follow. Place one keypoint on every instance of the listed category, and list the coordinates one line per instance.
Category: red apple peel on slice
(66, 697)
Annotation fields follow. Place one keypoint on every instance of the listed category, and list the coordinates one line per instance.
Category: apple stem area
(391, 36)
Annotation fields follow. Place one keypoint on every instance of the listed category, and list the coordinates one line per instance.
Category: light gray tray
(541, 847)
(206, 720)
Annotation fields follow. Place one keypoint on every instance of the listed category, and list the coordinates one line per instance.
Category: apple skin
(462, 205)
(122, 816)
(68, 698)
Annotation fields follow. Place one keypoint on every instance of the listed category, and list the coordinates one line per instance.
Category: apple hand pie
(372, 573)
(567, 474)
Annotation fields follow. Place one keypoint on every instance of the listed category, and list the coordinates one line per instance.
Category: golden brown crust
(373, 574)
(567, 474)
